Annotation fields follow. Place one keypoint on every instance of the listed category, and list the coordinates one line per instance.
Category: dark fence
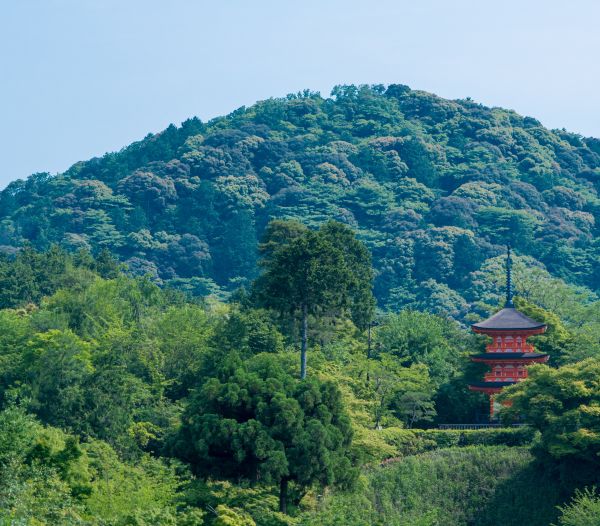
(477, 426)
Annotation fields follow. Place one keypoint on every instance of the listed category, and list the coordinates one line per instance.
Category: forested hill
(434, 187)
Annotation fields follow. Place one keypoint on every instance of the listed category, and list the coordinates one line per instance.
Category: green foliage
(248, 332)
(58, 364)
(508, 226)
(433, 187)
(401, 392)
(584, 510)
(414, 337)
(452, 487)
(414, 441)
(564, 404)
(31, 275)
(228, 517)
(257, 422)
(324, 271)
(16, 330)
(558, 341)
(183, 333)
(316, 273)
(144, 493)
(258, 502)
(48, 477)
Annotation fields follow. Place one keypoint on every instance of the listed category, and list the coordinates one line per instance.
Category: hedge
(414, 441)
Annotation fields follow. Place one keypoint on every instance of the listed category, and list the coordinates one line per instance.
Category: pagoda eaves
(509, 319)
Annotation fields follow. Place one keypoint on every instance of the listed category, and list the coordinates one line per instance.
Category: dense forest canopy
(189, 333)
(126, 404)
(434, 188)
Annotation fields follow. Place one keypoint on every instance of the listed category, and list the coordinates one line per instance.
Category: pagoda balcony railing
(518, 375)
(478, 426)
(509, 348)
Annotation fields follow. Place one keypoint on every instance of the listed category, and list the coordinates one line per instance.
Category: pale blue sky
(82, 77)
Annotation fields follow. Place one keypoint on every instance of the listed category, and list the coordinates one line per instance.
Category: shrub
(453, 487)
(584, 510)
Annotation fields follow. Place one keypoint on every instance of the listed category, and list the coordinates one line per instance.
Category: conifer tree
(317, 272)
(255, 421)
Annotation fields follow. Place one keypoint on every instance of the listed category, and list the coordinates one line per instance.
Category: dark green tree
(358, 259)
(58, 363)
(315, 273)
(505, 226)
(256, 421)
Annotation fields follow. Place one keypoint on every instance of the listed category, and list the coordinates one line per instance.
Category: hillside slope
(434, 187)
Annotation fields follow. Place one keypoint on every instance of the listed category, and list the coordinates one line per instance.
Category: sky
(79, 78)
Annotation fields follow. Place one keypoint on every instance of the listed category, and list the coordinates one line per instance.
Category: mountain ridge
(434, 187)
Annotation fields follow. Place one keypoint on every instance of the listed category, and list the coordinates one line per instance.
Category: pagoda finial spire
(509, 287)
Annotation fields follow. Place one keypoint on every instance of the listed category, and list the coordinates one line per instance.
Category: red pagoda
(509, 354)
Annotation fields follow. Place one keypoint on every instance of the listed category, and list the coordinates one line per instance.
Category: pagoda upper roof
(508, 319)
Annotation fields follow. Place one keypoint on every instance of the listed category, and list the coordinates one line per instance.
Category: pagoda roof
(508, 319)
(491, 385)
(508, 356)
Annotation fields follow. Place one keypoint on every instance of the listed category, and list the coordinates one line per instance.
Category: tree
(42, 473)
(421, 338)
(57, 365)
(384, 384)
(313, 274)
(279, 233)
(256, 421)
(403, 393)
(564, 404)
(358, 259)
(16, 331)
(248, 332)
(415, 406)
(453, 210)
(557, 341)
(231, 517)
(183, 333)
(504, 226)
(150, 191)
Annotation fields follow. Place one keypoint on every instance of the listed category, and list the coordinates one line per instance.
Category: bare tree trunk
(304, 341)
(379, 414)
(368, 352)
(283, 494)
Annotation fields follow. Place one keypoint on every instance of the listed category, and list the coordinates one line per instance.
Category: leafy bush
(47, 477)
(583, 510)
